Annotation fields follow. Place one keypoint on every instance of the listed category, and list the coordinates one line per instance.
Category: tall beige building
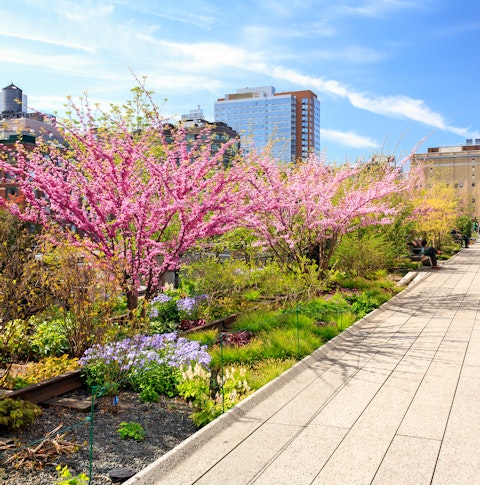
(459, 167)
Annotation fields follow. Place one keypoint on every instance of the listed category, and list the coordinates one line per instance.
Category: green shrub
(131, 430)
(252, 295)
(364, 303)
(464, 225)
(49, 337)
(159, 326)
(149, 394)
(16, 414)
(364, 251)
(155, 378)
(15, 341)
(232, 285)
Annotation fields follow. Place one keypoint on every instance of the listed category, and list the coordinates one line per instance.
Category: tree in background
(437, 207)
(304, 210)
(132, 197)
(464, 224)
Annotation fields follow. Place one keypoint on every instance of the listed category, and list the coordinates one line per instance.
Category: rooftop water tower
(12, 98)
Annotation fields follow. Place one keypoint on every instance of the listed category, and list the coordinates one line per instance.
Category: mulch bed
(166, 424)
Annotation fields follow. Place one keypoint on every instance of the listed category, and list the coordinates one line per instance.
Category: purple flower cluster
(142, 351)
(187, 304)
(161, 298)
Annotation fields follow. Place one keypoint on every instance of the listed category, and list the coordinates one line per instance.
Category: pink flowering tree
(136, 199)
(303, 210)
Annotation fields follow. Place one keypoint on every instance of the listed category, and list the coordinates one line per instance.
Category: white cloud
(347, 138)
(195, 12)
(391, 106)
(375, 8)
(99, 41)
(77, 65)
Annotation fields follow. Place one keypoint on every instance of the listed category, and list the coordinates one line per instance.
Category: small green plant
(131, 430)
(156, 378)
(16, 414)
(252, 295)
(65, 477)
(148, 394)
(367, 301)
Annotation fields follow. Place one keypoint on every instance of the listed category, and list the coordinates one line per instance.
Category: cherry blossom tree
(137, 199)
(303, 210)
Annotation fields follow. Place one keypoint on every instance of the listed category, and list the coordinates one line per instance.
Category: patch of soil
(166, 424)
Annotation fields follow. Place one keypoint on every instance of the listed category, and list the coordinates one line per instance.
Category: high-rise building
(289, 122)
(459, 167)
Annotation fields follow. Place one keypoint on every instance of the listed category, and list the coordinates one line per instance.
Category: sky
(392, 76)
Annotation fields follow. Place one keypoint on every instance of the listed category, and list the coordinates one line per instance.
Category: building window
(11, 192)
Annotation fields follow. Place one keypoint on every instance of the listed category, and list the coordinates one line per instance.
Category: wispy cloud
(197, 12)
(67, 64)
(375, 8)
(45, 39)
(398, 106)
(96, 36)
(348, 138)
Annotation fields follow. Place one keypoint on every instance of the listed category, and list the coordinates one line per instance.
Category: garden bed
(166, 424)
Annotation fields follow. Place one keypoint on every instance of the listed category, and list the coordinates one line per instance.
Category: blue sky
(387, 72)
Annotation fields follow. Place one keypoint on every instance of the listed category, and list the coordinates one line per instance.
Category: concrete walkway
(393, 400)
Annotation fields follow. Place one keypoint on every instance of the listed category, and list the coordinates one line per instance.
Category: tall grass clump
(264, 371)
(261, 320)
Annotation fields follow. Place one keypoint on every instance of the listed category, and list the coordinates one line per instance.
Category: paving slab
(408, 461)
(392, 400)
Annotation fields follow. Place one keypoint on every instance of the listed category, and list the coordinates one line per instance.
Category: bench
(415, 256)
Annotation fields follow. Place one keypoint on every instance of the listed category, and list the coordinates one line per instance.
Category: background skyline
(387, 72)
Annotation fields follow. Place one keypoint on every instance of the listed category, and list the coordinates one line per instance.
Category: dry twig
(49, 447)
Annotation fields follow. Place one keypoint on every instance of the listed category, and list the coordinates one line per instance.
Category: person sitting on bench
(431, 252)
(422, 249)
(459, 237)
